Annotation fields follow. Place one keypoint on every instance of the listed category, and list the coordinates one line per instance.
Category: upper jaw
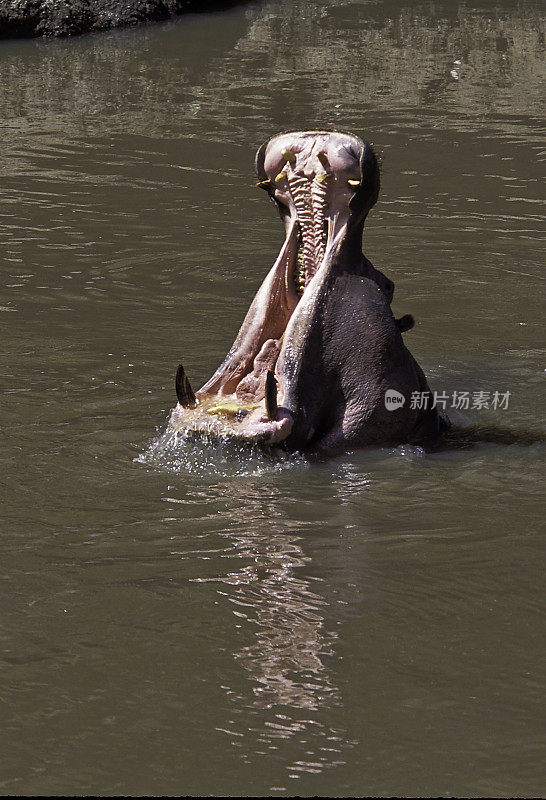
(313, 177)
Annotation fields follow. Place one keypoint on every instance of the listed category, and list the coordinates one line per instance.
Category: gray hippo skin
(319, 346)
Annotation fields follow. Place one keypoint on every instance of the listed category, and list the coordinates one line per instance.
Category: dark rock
(66, 17)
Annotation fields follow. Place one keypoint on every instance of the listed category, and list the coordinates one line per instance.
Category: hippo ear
(369, 180)
(369, 168)
(260, 160)
(405, 323)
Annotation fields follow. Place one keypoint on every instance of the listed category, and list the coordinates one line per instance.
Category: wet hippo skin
(319, 347)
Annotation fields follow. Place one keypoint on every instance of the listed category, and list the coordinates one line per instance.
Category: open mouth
(319, 349)
(314, 190)
(313, 178)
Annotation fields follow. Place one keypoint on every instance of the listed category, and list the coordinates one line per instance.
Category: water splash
(204, 453)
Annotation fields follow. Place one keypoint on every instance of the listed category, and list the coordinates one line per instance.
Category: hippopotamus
(320, 353)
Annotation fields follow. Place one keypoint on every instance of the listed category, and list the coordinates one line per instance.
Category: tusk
(264, 184)
(184, 392)
(354, 184)
(271, 407)
(323, 158)
(288, 155)
(280, 177)
(323, 177)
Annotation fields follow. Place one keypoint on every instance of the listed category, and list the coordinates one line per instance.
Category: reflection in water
(458, 56)
(285, 661)
(284, 611)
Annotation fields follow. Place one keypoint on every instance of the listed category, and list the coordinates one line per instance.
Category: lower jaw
(241, 415)
(217, 416)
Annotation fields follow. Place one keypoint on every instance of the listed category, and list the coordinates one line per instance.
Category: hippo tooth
(353, 183)
(323, 158)
(184, 392)
(288, 155)
(323, 177)
(264, 184)
(280, 177)
(318, 198)
(271, 396)
(309, 199)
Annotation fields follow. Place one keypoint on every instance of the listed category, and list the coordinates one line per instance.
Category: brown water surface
(193, 619)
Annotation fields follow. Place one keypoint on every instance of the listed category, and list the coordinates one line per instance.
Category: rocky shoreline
(27, 18)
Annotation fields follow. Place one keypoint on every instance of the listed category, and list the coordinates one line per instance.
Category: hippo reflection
(319, 347)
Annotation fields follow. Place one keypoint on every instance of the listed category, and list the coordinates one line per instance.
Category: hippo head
(309, 363)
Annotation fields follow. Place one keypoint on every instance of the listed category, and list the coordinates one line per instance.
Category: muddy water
(192, 619)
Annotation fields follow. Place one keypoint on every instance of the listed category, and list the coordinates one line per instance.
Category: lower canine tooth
(184, 392)
(271, 396)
